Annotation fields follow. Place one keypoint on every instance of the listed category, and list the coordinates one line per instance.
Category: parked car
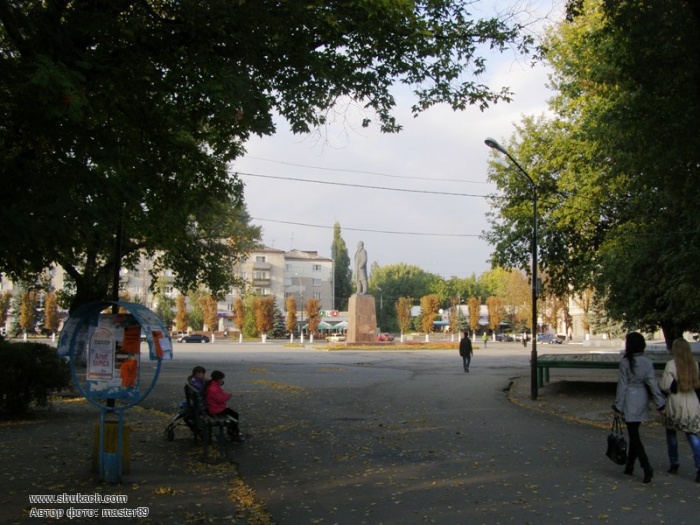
(385, 337)
(504, 337)
(335, 338)
(549, 339)
(194, 338)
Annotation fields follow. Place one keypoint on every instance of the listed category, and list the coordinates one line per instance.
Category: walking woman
(636, 371)
(680, 380)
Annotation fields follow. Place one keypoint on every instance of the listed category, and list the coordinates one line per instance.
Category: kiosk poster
(113, 355)
(100, 363)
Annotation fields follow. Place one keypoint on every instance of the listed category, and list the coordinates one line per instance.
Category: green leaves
(616, 166)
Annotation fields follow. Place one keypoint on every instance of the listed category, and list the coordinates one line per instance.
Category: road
(355, 437)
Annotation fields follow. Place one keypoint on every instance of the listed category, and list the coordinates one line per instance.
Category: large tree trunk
(671, 332)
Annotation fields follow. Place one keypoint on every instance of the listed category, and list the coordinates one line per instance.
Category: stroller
(185, 416)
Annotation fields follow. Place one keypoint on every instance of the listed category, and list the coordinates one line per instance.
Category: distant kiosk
(110, 345)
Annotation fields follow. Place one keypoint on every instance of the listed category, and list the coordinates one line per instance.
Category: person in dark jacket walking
(636, 372)
(465, 350)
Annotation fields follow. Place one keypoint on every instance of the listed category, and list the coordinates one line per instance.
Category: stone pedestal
(362, 319)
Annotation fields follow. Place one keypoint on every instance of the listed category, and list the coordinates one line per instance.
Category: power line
(369, 231)
(362, 185)
(379, 174)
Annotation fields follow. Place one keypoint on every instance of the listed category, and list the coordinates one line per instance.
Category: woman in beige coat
(680, 380)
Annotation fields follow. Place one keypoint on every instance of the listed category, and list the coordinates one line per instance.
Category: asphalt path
(379, 437)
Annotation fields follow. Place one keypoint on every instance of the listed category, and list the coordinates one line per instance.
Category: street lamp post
(491, 143)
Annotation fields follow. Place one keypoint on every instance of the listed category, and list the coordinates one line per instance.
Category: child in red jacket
(216, 403)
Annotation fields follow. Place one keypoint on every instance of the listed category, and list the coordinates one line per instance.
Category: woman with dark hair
(632, 399)
(681, 380)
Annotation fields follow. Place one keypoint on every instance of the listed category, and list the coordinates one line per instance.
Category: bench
(204, 423)
(609, 361)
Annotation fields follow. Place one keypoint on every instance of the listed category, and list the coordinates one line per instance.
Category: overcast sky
(440, 151)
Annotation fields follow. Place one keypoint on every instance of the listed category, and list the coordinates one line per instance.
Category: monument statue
(361, 269)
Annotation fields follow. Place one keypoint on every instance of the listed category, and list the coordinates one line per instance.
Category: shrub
(31, 372)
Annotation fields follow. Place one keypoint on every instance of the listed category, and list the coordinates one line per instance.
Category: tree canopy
(119, 117)
(616, 166)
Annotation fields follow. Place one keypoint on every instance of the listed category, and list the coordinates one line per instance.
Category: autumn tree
(27, 313)
(264, 314)
(495, 307)
(239, 317)
(403, 314)
(5, 302)
(51, 317)
(131, 111)
(210, 314)
(429, 306)
(181, 317)
(291, 320)
(312, 312)
(474, 307)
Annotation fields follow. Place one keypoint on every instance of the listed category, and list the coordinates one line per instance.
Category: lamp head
(491, 143)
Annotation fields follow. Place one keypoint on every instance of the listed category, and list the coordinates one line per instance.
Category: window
(317, 267)
(244, 275)
(260, 275)
(262, 291)
(260, 258)
(317, 282)
(317, 295)
(288, 281)
(287, 267)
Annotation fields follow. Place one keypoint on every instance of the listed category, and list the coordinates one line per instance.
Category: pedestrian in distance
(680, 380)
(485, 339)
(466, 351)
(636, 373)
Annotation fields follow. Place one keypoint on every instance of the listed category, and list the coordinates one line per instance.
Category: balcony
(262, 266)
(261, 282)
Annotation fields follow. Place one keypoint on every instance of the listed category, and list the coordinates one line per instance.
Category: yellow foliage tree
(51, 318)
(181, 318)
(239, 313)
(403, 313)
(5, 301)
(312, 309)
(495, 305)
(474, 307)
(429, 306)
(264, 312)
(291, 307)
(209, 312)
(26, 312)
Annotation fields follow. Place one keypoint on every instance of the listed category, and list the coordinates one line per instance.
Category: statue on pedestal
(361, 269)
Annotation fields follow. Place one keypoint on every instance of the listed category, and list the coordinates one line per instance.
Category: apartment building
(266, 272)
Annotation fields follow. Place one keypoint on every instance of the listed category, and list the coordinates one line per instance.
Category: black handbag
(617, 446)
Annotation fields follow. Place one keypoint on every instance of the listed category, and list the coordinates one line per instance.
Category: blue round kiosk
(110, 346)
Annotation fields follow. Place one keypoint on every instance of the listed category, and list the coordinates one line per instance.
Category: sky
(414, 220)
